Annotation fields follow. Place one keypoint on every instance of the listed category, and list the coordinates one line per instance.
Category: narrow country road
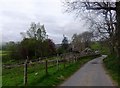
(91, 74)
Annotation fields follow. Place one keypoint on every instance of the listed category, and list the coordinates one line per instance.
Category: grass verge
(37, 77)
(112, 65)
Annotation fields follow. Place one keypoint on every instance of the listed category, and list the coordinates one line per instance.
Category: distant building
(87, 51)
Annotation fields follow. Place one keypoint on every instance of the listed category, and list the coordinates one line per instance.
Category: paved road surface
(91, 74)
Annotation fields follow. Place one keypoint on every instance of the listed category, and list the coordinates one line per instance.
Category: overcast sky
(17, 15)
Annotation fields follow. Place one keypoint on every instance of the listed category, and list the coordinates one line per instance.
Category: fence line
(68, 57)
(61, 62)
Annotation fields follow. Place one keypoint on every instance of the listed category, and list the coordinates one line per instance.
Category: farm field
(6, 60)
(37, 75)
(2, 53)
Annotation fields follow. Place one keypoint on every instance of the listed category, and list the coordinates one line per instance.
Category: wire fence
(23, 74)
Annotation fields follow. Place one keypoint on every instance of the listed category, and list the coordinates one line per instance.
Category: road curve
(91, 74)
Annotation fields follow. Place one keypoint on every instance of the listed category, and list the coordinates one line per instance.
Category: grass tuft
(112, 64)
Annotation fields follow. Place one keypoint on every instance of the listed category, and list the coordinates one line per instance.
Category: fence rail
(45, 65)
(64, 57)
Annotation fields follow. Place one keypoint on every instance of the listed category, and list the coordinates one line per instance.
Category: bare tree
(81, 41)
(77, 44)
(104, 8)
(86, 38)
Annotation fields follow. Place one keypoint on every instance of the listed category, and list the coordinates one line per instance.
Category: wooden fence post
(69, 60)
(25, 72)
(46, 67)
(57, 63)
(74, 57)
(64, 62)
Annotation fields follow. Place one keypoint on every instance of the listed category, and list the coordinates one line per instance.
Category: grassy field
(8, 61)
(112, 64)
(2, 53)
(6, 58)
(36, 74)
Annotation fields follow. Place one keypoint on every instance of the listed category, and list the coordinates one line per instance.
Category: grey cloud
(17, 18)
(15, 15)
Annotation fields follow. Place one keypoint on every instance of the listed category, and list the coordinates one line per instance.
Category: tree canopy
(35, 44)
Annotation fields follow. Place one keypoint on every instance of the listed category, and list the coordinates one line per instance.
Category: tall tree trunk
(118, 28)
(111, 44)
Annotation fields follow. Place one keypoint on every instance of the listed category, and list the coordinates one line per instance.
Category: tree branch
(100, 8)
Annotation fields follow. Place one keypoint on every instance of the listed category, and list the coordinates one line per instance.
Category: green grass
(97, 46)
(5, 57)
(112, 64)
(2, 53)
(14, 76)
(10, 61)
